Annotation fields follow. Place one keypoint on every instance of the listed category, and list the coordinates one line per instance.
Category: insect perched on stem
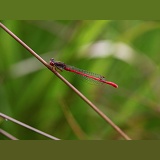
(60, 66)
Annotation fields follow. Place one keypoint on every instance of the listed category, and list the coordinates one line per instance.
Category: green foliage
(126, 52)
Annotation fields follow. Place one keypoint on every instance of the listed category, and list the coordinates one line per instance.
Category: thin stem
(94, 107)
(7, 134)
(72, 122)
(67, 83)
(23, 44)
(27, 126)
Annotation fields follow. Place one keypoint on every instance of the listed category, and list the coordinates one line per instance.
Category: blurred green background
(126, 52)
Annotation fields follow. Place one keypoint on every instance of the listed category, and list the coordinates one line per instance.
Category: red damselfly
(86, 74)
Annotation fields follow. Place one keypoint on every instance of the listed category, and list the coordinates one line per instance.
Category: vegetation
(125, 52)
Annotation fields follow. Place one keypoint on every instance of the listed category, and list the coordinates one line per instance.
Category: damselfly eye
(51, 62)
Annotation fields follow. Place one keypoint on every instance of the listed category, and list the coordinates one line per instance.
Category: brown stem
(7, 134)
(27, 126)
(67, 83)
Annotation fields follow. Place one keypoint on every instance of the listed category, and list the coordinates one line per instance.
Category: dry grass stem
(95, 108)
(27, 126)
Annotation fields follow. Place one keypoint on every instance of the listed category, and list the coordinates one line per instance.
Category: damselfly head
(51, 62)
